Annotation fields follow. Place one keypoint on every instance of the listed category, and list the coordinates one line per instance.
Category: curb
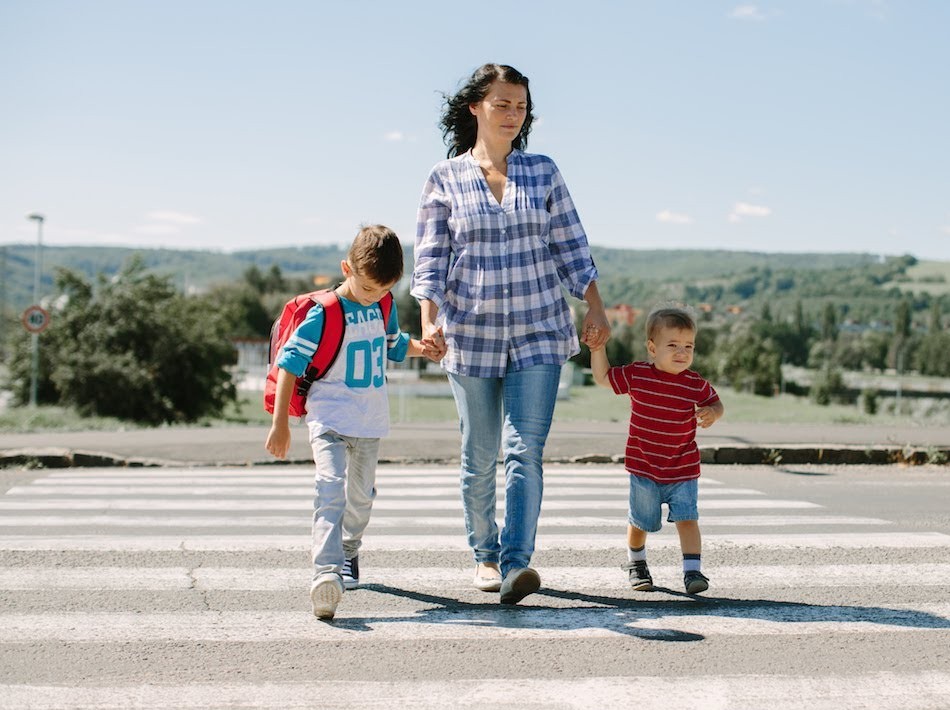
(741, 455)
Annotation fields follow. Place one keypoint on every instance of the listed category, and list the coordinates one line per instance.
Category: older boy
(667, 401)
(347, 410)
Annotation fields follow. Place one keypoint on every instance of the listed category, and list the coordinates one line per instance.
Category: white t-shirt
(351, 398)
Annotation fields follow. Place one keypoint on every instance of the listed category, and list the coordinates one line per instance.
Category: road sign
(35, 319)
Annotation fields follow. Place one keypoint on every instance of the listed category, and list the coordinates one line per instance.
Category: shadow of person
(655, 619)
(525, 619)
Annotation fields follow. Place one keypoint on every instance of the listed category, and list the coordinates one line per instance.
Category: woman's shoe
(487, 577)
(518, 584)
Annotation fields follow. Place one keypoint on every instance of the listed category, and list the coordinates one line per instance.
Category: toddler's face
(672, 349)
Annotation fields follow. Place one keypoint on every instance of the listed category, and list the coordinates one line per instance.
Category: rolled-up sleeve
(432, 247)
(568, 244)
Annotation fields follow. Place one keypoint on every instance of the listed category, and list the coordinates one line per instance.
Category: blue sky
(804, 125)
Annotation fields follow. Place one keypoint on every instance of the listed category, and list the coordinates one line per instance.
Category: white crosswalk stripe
(174, 562)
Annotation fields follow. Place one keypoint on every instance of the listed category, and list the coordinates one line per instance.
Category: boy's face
(362, 289)
(672, 349)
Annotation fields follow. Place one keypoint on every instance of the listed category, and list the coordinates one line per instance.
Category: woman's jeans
(520, 405)
(344, 491)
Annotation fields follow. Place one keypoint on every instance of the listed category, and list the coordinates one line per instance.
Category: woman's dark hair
(459, 127)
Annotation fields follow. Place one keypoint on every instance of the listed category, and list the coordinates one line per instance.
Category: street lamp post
(35, 337)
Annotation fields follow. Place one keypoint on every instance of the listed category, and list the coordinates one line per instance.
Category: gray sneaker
(518, 584)
(325, 593)
(639, 575)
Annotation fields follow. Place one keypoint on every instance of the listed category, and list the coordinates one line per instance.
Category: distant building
(623, 314)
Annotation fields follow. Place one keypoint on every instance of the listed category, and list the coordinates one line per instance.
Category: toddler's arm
(599, 364)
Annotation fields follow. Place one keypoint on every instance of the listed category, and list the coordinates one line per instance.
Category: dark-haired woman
(496, 238)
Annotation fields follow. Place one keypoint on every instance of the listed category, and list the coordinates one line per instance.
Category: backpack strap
(386, 306)
(331, 340)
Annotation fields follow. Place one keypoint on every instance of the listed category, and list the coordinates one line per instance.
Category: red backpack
(328, 346)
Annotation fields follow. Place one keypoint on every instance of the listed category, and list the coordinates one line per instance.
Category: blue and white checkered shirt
(495, 271)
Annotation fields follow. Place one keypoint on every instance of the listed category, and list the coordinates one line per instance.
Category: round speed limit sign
(35, 319)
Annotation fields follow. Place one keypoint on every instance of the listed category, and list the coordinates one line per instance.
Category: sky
(793, 126)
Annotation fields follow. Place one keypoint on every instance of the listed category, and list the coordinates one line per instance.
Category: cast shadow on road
(622, 614)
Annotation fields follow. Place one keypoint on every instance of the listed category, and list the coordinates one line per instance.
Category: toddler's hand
(705, 417)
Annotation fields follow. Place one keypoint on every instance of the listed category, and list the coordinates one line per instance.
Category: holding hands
(432, 345)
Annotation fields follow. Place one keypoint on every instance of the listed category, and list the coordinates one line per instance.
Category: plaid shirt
(495, 271)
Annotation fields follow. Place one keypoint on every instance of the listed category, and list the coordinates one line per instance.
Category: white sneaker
(487, 577)
(325, 593)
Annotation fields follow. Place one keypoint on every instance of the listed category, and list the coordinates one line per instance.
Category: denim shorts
(646, 496)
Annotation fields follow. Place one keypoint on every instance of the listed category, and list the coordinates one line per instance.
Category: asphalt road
(242, 445)
(187, 587)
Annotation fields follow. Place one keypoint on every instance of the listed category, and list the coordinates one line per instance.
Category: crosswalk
(171, 588)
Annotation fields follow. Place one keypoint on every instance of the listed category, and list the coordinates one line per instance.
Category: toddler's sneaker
(640, 578)
(325, 593)
(695, 582)
(351, 573)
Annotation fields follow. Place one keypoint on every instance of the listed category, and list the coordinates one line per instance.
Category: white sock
(691, 563)
(638, 554)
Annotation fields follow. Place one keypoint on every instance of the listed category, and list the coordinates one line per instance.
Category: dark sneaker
(351, 573)
(640, 578)
(695, 582)
(518, 584)
(325, 593)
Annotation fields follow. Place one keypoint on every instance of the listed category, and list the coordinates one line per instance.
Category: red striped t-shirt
(661, 444)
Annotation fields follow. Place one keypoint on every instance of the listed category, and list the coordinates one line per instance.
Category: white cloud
(157, 229)
(746, 12)
(173, 217)
(669, 217)
(744, 209)
(395, 136)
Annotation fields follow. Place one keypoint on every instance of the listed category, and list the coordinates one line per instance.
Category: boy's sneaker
(695, 582)
(351, 573)
(640, 578)
(325, 593)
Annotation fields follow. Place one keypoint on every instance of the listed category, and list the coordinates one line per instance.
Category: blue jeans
(519, 405)
(646, 497)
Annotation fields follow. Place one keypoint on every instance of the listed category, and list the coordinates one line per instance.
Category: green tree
(829, 323)
(828, 386)
(751, 363)
(136, 349)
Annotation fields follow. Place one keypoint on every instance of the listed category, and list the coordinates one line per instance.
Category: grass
(930, 276)
(584, 404)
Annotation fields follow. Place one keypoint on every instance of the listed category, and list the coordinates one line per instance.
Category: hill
(864, 287)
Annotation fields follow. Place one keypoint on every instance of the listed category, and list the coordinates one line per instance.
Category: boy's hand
(434, 347)
(706, 417)
(278, 441)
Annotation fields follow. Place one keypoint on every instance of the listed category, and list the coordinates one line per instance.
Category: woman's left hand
(596, 329)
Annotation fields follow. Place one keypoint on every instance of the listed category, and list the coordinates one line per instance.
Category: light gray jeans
(344, 489)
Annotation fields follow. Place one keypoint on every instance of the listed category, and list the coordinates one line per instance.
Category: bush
(828, 386)
(133, 348)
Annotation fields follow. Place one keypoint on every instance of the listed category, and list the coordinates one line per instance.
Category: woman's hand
(595, 331)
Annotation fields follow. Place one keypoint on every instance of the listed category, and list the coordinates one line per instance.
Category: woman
(496, 237)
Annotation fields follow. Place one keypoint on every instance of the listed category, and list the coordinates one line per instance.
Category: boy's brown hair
(377, 254)
(670, 315)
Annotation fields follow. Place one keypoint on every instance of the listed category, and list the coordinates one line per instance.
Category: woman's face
(502, 112)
